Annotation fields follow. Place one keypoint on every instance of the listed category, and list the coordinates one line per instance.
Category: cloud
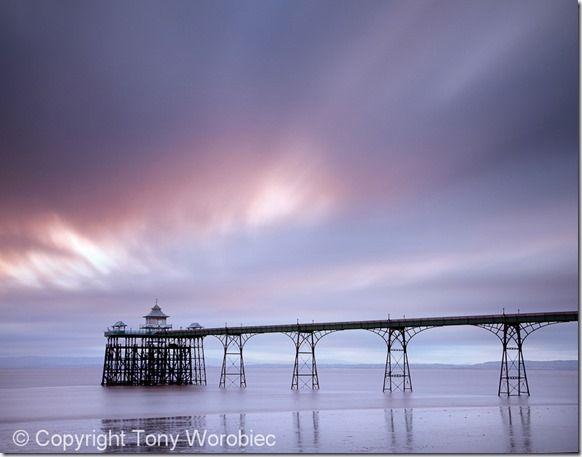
(284, 159)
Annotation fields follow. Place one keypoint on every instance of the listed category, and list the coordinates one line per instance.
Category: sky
(264, 161)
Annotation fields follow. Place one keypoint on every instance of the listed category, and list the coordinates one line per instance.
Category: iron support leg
(153, 361)
(305, 368)
(397, 371)
(233, 367)
(512, 377)
(198, 365)
(107, 362)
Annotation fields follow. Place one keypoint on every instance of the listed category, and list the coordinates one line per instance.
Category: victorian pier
(156, 354)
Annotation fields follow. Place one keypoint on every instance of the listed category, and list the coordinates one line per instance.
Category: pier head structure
(156, 354)
(152, 356)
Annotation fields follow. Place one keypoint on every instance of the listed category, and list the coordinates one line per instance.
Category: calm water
(450, 410)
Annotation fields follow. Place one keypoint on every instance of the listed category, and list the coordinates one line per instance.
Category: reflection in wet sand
(194, 434)
(517, 421)
(313, 431)
(306, 435)
(462, 419)
(159, 426)
(232, 424)
(399, 423)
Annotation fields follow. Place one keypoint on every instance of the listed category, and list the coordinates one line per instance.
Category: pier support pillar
(198, 363)
(178, 360)
(397, 371)
(152, 361)
(305, 367)
(512, 333)
(233, 367)
(512, 377)
(110, 362)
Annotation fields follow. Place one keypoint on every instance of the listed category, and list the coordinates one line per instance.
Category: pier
(156, 354)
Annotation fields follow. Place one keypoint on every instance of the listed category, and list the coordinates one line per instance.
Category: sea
(451, 410)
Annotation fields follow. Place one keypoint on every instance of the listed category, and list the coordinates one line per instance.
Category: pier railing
(519, 318)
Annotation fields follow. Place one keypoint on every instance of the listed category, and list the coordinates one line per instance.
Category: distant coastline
(89, 362)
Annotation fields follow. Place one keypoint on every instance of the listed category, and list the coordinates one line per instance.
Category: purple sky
(262, 161)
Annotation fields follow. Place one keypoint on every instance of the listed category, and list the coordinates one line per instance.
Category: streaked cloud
(267, 161)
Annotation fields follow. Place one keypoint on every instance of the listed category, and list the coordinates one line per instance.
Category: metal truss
(513, 376)
(152, 361)
(198, 362)
(156, 357)
(397, 371)
(233, 367)
(305, 367)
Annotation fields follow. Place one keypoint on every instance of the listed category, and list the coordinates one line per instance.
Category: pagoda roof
(156, 312)
(120, 324)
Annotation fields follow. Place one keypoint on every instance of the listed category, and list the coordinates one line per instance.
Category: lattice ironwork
(198, 362)
(153, 356)
(397, 371)
(513, 376)
(305, 367)
(233, 367)
(526, 328)
(153, 361)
